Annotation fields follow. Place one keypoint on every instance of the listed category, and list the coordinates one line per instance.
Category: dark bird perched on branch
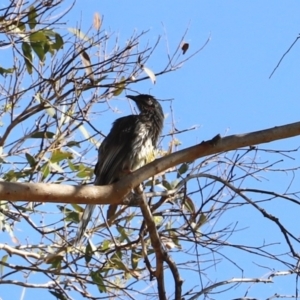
(129, 146)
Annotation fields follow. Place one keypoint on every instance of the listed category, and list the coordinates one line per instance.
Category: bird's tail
(111, 211)
(84, 222)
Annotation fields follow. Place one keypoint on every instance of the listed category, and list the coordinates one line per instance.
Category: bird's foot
(133, 198)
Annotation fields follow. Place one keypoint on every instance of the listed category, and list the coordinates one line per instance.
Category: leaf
(158, 220)
(38, 48)
(105, 245)
(97, 278)
(124, 235)
(4, 71)
(150, 74)
(27, 52)
(85, 172)
(72, 166)
(184, 48)
(55, 167)
(42, 135)
(80, 34)
(97, 21)
(189, 204)
(167, 185)
(54, 259)
(4, 260)
(30, 160)
(37, 42)
(88, 254)
(119, 87)
(59, 42)
(73, 144)
(55, 44)
(32, 17)
(87, 64)
(51, 112)
(48, 108)
(45, 170)
(77, 207)
(58, 155)
(169, 244)
(183, 169)
(38, 36)
(202, 220)
(135, 258)
(71, 215)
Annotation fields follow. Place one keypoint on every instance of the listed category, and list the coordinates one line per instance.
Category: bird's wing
(115, 151)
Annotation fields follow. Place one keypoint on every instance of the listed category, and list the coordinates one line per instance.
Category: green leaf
(27, 52)
(158, 220)
(21, 26)
(59, 42)
(105, 245)
(73, 144)
(77, 207)
(55, 167)
(88, 254)
(37, 37)
(32, 17)
(47, 47)
(4, 71)
(80, 34)
(58, 155)
(54, 259)
(10, 176)
(45, 170)
(4, 260)
(175, 239)
(15, 176)
(71, 215)
(30, 160)
(97, 278)
(167, 185)
(202, 220)
(72, 166)
(119, 87)
(183, 168)
(85, 172)
(38, 48)
(42, 134)
(51, 111)
(189, 204)
(135, 258)
(124, 235)
(37, 42)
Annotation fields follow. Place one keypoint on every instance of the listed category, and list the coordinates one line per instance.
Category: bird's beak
(134, 98)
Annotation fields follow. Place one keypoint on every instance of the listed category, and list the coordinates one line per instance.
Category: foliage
(55, 87)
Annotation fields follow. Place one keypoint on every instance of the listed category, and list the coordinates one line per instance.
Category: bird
(129, 145)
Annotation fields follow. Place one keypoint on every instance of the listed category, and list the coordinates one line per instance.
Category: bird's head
(146, 103)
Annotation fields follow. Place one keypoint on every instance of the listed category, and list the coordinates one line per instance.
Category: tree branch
(113, 194)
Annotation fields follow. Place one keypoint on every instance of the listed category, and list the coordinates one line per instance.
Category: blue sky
(225, 88)
(231, 75)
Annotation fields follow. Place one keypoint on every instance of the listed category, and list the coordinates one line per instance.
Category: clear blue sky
(225, 88)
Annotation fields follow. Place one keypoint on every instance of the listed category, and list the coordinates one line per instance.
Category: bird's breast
(144, 155)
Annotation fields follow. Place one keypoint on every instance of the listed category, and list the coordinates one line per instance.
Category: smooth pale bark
(41, 192)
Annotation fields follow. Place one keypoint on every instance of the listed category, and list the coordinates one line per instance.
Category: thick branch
(40, 192)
